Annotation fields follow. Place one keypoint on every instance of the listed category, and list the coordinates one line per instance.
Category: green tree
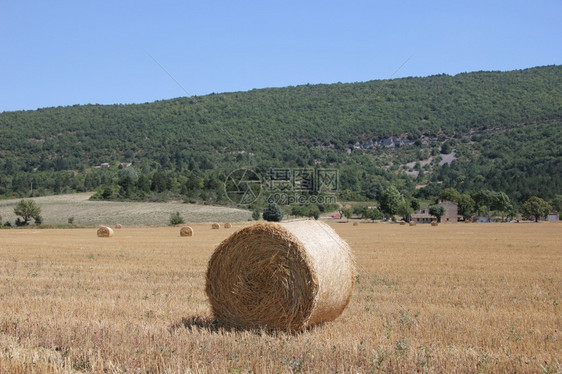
(405, 210)
(492, 200)
(316, 214)
(502, 204)
(273, 213)
(372, 214)
(27, 209)
(415, 204)
(450, 194)
(465, 205)
(437, 211)
(536, 207)
(446, 148)
(126, 184)
(256, 214)
(176, 219)
(391, 200)
(107, 193)
(484, 198)
(556, 203)
(348, 213)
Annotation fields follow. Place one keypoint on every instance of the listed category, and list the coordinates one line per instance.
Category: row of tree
(483, 203)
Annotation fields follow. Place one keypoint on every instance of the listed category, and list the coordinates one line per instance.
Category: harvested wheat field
(453, 298)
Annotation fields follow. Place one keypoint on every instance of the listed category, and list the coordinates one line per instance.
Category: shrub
(256, 215)
(273, 213)
(176, 219)
(27, 209)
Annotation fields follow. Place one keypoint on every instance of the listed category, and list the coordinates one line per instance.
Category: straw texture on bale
(355, 224)
(186, 231)
(402, 223)
(118, 226)
(280, 276)
(105, 232)
(227, 225)
(215, 226)
(434, 223)
(412, 223)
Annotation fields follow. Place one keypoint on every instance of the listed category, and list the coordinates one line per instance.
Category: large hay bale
(280, 276)
(105, 232)
(186, 231)
(215, 226)
(227, 225)
(412, 223)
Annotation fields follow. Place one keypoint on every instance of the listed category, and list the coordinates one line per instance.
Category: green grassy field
(56, 210)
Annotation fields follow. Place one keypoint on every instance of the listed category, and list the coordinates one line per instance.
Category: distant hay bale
(186, 231)
(215, 226)
(227, 225)
(118, 226)
(412, 223)
(105, 232)
(434, 223)
(280, 276)
(355, 224)
(402, 223)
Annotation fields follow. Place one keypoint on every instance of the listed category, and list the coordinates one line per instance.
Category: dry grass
(452, 298)
(56, 210)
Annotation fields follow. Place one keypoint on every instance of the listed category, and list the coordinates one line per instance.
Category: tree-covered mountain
(502, 130)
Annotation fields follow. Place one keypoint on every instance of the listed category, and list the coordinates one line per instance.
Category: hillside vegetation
(502, 130)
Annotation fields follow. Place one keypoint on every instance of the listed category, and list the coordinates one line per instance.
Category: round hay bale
(412, 223)
(355, 224)
(227, 225)
(215, 226)
(118, 226)
(434, 223)
(105, 231)
(280, 276)
(186, 231)
(402, 223)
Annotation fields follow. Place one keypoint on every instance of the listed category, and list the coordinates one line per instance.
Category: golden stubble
(451, 298)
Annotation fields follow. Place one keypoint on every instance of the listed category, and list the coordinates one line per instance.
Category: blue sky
(106, 52)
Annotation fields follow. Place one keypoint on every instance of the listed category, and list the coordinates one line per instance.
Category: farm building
(451, 213)
(422, 216)
(553, 216)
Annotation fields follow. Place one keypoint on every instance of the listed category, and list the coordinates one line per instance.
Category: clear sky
(58, 53)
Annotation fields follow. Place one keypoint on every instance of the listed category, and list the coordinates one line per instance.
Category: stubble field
(452, 298)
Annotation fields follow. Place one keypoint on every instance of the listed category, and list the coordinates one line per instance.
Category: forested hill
(502, 126)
